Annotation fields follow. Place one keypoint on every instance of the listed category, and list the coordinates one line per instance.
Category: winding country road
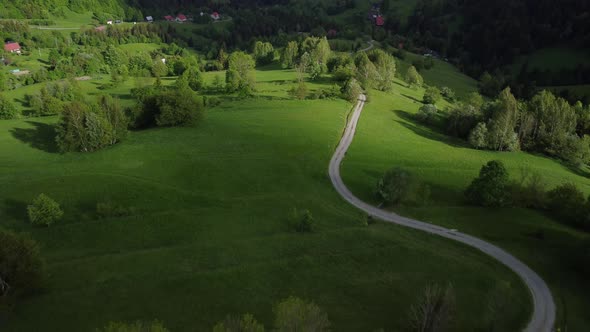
(543, 316)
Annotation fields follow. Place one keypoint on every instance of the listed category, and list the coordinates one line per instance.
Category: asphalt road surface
(543, 316)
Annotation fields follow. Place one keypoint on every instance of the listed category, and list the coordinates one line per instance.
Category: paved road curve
(543, 316)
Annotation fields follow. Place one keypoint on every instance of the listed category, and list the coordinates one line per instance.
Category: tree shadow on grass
(430, 133)
(412, 98)
(41, 136)
(16, 209)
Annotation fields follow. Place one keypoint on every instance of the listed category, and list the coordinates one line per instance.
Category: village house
(181, 18)
(110, 22)
(149, 19)
(169, 18)
(215, 16)
(12, 47)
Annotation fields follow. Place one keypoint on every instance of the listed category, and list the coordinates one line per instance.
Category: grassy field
(210, 234)
(388, 136)
(554, 59)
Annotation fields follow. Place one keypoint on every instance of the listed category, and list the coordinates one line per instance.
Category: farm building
(149, 19)
(215, 16)
(12, 47)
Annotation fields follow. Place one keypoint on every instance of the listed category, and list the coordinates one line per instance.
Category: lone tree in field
(294, 315)
(413, 78)
(239, 76)
(138, 326)
(431, 95)
(21, 265)
(246, 323)
(44, 211)
(491, 187)
(434, 310)
(395, 185)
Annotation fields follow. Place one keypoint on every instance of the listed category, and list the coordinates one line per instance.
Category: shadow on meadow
(412, 98)
(41, 136)
(15, 209)
(409, 121)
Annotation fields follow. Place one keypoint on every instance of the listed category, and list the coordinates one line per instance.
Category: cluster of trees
(493, 188)
(399, 186)
(545, 124)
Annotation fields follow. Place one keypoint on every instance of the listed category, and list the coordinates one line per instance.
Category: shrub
(462, 119)
(395, 185)
(567, 203)
(478, 136)
(351, 90)
(7, 108)
(447, 93)
(491, 188)
(427, 114)
(21, 265)
(44, 211)
(294, 314)
(83, 129)
(431, 95)
(302, 221)
(134, 327)
(246, 323)
(530, 192)
(299, 91)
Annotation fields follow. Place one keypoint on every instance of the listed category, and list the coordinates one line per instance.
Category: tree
(386, 68)
(567, 203)
(84, 128)
(427, 114)
(246, 323)
(115, 116)
(395, 185)
(413, 78)
(462, 119)
(263, 53)
(181, 107)
(138, 326)
(366, 71)
(434, 310)
(194, 78)
(478, 136)
(289, 55)
(431, 95)
(44, 211)
(239, 76)
(159, 69)
(21, 265)
(351, 90)
(491, 187)
(299, 91)
(296, 315)
(447, 93)
(503, 121)
(7, 108)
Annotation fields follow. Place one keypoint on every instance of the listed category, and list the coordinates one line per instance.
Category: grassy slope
(554, 59)
(387, 136)
(211, 237)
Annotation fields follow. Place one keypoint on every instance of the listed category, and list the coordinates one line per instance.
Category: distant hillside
(46, 9)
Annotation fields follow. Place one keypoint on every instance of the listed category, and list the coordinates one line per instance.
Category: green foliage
(434, 310)
(462, 119)
(159, 69)
(137, 326)
(366, 72)
(264, 53)
(427, 114)
(21, 265)
(289, 55)
(299, 91)
(85, 128)
(44, 211)
(395, 186)
(413, 78)
(385, 67)
(7, 108)
(239, 77)
(352, 90)
(302, 221)
(448, 93)
(491, 188)
(567, 203)
(294, 315)
(478, 138)
(52, 97)
(166, 107)
(501, 128)
(246, 323)
(431, 95)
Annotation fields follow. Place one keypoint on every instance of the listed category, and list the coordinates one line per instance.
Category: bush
(395, 186)
(567, 203)
(491, 188)
(447, 93)
(302, 222)
(83, 129)
(294, 314)
(7, 108)
(44, 211)
(478, 136)
(427, 114)
(21, 265)
(431, 95)
(462, 119)
(246, 323)
(134, 327)
(351, 90)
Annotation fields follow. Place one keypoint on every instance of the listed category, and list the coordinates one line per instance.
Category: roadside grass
(388, 136)
(209, 235)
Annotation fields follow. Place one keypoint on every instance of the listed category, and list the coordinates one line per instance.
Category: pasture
(209, 233)
(388, 136)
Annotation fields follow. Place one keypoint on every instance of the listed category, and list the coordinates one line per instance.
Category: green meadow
(210, 232)
(388, 136)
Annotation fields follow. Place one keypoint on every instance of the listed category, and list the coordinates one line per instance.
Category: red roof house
(379, 21)
(215, 16)
(169, 18)
(12, 47)
(180, 18)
